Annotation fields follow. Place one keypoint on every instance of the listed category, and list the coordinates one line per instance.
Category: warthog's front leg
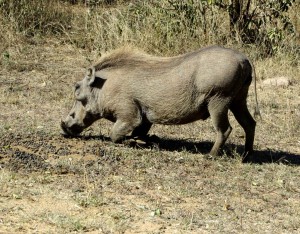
(121, 129)
(142, 130)
(128, 119)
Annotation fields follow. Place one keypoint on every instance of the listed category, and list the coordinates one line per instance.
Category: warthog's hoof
(144, 141)
(135, 142)
(209, 157)
(139, 141)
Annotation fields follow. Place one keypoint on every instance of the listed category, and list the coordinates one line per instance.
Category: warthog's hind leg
(219, 114)
(244, 118)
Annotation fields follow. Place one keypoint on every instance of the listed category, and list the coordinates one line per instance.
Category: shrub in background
(262, 22)
(31, 17)
(163, 26)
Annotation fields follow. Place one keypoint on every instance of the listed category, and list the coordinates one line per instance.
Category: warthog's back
(175, 89)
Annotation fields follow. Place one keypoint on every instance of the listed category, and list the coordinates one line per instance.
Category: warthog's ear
(100, 78)
(90, 75)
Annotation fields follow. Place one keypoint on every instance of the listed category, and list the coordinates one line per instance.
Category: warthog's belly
(178, 117)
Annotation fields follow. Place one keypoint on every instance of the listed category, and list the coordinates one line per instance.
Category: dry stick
(256, 111)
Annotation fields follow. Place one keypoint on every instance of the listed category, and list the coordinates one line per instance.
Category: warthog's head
(85, 110)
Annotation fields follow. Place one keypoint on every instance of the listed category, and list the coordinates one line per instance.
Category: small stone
(281, 81)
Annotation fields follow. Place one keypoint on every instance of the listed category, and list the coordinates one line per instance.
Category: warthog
(135, 90)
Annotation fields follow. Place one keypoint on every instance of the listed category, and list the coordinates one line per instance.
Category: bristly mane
(128, 57)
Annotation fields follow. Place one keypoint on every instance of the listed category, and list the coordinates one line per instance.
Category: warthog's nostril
(73, 115)
(64, 128)
(62, 123)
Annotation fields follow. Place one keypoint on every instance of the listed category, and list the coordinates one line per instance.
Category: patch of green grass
(89, 199)
(67, 223)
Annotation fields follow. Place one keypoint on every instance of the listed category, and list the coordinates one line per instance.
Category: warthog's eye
(77, 86)
(84, 102)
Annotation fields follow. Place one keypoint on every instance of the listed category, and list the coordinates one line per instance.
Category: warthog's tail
(256, 111)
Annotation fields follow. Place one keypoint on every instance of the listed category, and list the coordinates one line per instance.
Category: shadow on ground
(259, 156)
(32, 151)
(203, 147)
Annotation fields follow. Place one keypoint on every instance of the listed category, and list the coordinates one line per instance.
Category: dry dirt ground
(52, 184)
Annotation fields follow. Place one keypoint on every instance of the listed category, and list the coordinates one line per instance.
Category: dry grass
(51, 184)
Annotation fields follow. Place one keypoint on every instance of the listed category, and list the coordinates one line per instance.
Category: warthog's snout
(70, 129)
(77, 120)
